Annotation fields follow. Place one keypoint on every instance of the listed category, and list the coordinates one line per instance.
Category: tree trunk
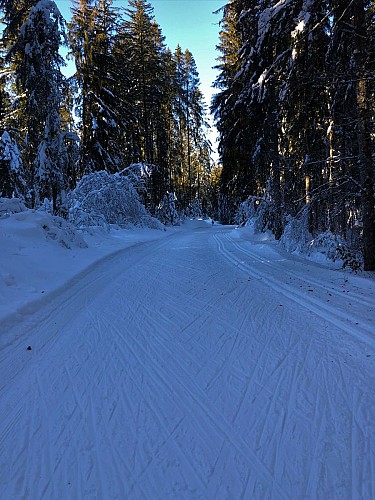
(364, 137)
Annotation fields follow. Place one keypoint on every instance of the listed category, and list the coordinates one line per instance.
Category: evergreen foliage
(295, 113)
(126, 94)
(35, 62)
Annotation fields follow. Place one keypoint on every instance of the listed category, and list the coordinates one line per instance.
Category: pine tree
(36, 64)
(92, 36)
(12, 175)
(364, 67)
(305, 68)
(192, 149)
(15, 14)
(143, 45)
(4, 101)
(305, 117)
(229, 123)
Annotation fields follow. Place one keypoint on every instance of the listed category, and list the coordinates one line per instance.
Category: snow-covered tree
(12, 176)
(93, 31)
(166, 211)
(37, 63)
(294, 112)
(192, 149)
(101, 199)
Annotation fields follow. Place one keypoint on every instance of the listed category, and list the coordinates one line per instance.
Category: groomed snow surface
(197, 363)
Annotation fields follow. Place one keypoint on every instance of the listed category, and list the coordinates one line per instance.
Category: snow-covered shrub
(139, 175)
(145, 178)
(101, 199)
(46, 206)
(12, 175)
(166, 211)
(296, 236)
(62, 232)
(264, 217)
(11, 206)
(336, 249)
(246, 211)
(194, 210)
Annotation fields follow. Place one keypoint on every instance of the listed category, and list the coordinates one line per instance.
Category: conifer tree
(223, 103)
(192, 147)
(4, 101)
(294, 112)
(93, 37)
(36, 64)
(143, 46)
(15, 13)
(363, 68)
(12, 175)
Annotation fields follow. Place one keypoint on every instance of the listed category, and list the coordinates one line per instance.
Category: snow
(41, 253)
(201, 362)
(10, 152)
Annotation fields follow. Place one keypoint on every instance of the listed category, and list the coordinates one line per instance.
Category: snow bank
(11, 206)
(41, 252)
(325, 248)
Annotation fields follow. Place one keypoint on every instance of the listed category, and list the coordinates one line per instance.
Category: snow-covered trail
(198, 366)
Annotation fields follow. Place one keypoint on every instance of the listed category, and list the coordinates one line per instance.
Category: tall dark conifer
(143, 45)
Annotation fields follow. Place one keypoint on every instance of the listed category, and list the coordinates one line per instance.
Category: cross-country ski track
(201, 365)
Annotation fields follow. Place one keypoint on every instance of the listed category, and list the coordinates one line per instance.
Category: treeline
(131, 100)
(295, 112)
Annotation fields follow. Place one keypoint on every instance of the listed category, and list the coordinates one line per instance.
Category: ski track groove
(272, 265)
(363, 301)
(362, 331)
(153, 410)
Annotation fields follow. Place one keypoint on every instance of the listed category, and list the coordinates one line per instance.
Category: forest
(130, 101)
(294, 109)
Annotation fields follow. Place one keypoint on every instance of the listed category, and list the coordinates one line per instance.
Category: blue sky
(190, 23)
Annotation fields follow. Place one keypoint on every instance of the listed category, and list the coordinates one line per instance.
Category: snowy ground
(202, 363)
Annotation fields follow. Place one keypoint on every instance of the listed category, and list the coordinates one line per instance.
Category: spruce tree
(90, 34)
(36, 64)
(144, 48)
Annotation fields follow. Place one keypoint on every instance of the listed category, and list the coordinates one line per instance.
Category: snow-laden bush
(258, 212)
(11, 206)
(296, 236)
(46, 206)
(12, 175)
(101, 199)
(139, 175)
(61, 231)
(166, 211)
(335, 248)
(265, 217)
(194, 210)
(246, 211)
